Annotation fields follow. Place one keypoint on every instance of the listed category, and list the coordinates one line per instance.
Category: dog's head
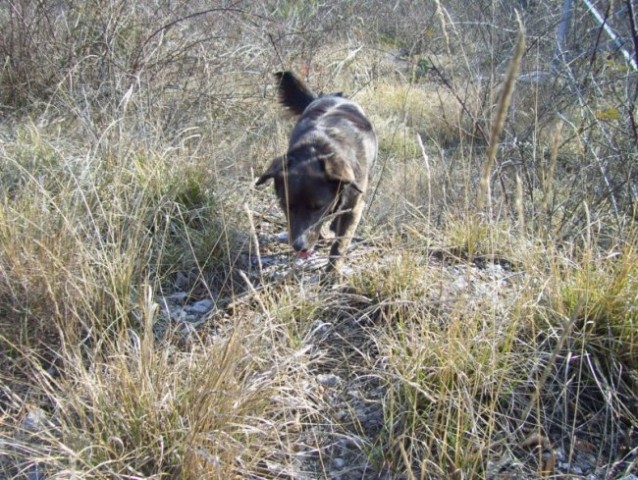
(309, 185)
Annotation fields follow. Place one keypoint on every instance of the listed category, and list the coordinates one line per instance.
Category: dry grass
(461, 345)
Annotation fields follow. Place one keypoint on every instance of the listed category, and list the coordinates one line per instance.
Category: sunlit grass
(480, 318)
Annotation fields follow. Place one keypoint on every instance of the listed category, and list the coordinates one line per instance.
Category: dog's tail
(293, 93)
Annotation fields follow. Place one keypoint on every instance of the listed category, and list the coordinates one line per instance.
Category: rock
(177, 297)
(200, 308)
(34, 421)
(182, 281)
(281, 237)
(354, 393)
(328, 380)
(338, 463)
(177, 314)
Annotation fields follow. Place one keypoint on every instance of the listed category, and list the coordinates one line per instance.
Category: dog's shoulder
(320, 107)
(353, 113)
(334, 110)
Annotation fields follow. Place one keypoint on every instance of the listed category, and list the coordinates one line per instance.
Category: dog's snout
(300, 244)
(302, 248)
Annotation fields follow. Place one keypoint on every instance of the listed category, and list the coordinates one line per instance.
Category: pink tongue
(305, 254)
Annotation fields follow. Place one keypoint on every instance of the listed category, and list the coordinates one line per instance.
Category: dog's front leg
(344, 227)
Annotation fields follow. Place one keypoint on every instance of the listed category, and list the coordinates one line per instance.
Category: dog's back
(330, 119)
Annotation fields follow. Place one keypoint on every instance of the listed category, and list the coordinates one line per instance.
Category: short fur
(324, 174)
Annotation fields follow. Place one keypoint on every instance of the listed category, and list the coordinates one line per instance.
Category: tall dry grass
(461, 346)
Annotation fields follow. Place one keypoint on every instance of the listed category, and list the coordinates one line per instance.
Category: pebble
(35, 420)
(281, 237)
(201, 307)
(354, 393)
(338, 462)
(328, 380)
(177, 297)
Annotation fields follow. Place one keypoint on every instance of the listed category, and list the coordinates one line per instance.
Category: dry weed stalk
(485, 196)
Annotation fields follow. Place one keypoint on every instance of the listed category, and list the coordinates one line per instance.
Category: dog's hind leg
(344, 227)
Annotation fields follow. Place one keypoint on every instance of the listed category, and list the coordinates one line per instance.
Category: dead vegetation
(150, 327)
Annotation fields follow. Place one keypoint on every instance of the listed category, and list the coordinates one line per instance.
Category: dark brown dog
(324, 175)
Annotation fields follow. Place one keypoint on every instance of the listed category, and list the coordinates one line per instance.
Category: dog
(324, 174)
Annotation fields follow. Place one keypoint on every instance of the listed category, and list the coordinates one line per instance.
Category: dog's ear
(337, 169)
(272, 171)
